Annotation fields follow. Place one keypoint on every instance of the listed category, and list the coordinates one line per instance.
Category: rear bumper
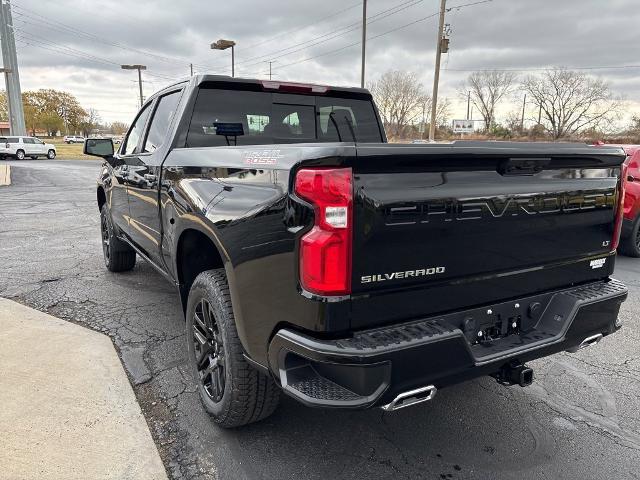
(373, 367)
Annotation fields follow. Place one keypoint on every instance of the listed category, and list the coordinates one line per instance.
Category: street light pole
(139, 68)
(364, 40)
(10, 70)
(436, 75)
(223, 45)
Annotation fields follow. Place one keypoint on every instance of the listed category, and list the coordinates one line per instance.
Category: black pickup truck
(313, 257)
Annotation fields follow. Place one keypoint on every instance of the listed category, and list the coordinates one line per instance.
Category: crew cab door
(125, 158)
(144, 175)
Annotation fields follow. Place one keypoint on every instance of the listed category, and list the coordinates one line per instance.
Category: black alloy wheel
(104, 230)
(209, 351)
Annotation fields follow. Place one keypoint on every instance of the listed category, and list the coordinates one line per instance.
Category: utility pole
(139, 68)
(436, 75)
(540, 113)
(364, 40)
(468, 103)
(191, 68)
(524, 105)
(11, 74)
(270, 62)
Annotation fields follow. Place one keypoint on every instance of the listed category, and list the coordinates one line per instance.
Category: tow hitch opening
(515, 374)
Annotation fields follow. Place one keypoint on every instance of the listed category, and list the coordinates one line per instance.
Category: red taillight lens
(617, 230)
(325, 251)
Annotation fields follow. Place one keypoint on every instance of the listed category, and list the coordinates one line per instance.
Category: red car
(630, 240)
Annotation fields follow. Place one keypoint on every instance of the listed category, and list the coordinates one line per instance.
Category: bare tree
(572, 101)
(488, 89)
(400, 98)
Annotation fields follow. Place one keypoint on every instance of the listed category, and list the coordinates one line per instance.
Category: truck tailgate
(438, 227)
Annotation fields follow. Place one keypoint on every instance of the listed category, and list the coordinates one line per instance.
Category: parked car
(630, 239)
(21, 147)
(315, 258)
(73, 139)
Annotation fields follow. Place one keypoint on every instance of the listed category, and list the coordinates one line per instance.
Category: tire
(630, 245)
(51, 154)
(20, 154)
(118, 256)
(232, 391)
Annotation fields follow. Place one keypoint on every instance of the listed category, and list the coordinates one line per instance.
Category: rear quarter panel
(238, 197)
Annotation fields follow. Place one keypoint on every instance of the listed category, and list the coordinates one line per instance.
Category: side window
(161, 120)
(28, 140)
(131, 142)
(13, 140)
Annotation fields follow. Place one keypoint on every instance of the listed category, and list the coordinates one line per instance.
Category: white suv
(21, 147)
(73, 139)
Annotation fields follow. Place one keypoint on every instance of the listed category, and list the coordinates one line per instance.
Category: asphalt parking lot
(579, 420)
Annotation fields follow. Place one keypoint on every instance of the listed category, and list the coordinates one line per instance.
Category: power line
(297, 29)
(45, 44)
(329, 35)
(331, 52)
(32, 16)
(401, 27)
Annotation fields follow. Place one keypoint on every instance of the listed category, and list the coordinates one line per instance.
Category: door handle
(631, 178)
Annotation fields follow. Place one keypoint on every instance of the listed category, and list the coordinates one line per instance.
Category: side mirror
(99, 147)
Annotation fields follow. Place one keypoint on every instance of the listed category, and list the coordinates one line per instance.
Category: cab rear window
(223, 117)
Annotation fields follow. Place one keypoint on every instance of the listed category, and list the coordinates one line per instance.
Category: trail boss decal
(384, 277)
(599, 263)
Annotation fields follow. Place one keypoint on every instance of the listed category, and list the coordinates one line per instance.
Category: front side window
(131, 142)
(165, 111)
(28, 140)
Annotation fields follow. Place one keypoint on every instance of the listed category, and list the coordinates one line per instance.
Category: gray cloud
(72, 44)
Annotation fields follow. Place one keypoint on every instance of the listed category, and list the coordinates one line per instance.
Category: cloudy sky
(78, 45)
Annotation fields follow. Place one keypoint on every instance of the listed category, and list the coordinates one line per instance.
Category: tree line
(566, 102)
(53, 112)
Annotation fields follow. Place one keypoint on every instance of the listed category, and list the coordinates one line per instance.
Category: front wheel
(232, 392)
(51, 154)
(118, 256)
(20, 154)
(630, 245)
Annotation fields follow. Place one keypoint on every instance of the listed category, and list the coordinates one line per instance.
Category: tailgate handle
(522, 166)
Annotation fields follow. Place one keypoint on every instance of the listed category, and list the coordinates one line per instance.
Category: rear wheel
(118, 256)
(630, 245)
(232, 392)
(51, 154)
(20, 154)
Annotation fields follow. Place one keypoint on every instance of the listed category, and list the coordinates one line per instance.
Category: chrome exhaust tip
(587, 342)
(592, 340)
(412, 397)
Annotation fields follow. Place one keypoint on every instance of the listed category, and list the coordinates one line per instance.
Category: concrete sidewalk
(67, 410)
(5, 175)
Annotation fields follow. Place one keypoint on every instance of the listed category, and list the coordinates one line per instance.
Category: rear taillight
(325, 251)
(617, 229)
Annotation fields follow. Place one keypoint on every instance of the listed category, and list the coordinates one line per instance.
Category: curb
(69, 412)
(5, 175)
